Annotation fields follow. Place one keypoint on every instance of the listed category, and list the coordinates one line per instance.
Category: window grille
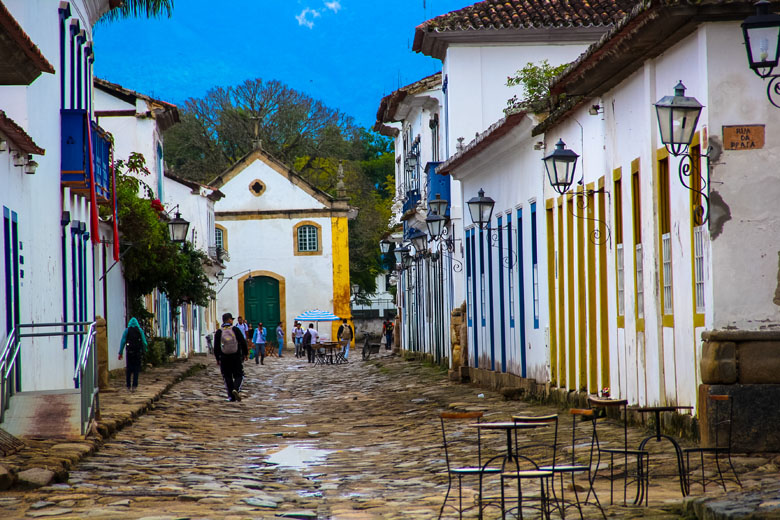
(640, 291)
(621, 293)
(698, 262)
(218, 239)
(482, 297)
(307, 238)
(666, 246)
(536, 293)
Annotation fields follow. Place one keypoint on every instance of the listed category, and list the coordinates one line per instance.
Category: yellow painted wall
(341, 284)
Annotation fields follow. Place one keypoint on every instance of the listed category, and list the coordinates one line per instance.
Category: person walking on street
(280, 336)
(344, 335)
(135, 340)
(230, 349)
(243, 326)
(387, 331)
(259, 341)
(310, 339)
(297, 336)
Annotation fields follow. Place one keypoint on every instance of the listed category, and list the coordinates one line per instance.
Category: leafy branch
(536, 80)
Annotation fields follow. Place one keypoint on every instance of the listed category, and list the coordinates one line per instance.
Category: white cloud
(334, 6)
(307, 16)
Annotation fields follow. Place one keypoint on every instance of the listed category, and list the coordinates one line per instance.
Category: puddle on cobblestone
(310, 494)
(297, 457)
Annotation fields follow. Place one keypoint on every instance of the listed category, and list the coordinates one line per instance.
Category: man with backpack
(344, 335)
(231, 351)
(134, 340)
(387, 331)
(311, 337)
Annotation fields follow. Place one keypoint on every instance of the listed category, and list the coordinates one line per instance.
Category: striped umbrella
(317, 315)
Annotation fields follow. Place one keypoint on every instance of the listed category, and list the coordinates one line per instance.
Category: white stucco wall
(198, 210)
(38, 199)
(745, 248)
(509, 171)
(133, 134)
(477, 93)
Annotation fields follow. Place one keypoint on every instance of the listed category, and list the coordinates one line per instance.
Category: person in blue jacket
(134, 340)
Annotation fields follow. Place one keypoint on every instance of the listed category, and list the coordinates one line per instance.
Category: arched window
(307, 238)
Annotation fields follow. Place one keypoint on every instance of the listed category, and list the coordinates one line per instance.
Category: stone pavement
(358, 441)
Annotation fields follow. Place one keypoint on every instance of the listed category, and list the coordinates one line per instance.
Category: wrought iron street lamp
(561, 165)
(178, 227)
(762, 43)
(419, 239)
(220, 276)
(400, 252)
(435, 224)
(438, 205)
(762, 39)
(677, 119)
(384, 246)
(481, 209)
(407, 259)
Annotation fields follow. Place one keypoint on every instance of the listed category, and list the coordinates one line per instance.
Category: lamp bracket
(581, 199)
(510, 260)
(457, 265)
(686, 171)
(773, 90)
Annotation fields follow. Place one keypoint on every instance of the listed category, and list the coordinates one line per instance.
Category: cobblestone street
(344, 442)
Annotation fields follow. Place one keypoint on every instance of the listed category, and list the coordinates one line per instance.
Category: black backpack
(307, 338)
(135, 342)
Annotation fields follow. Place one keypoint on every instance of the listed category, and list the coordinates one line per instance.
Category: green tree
(536, 80)
(309, 137)
(150, 260)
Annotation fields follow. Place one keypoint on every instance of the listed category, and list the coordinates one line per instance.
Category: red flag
(114, 206)
(94, 229)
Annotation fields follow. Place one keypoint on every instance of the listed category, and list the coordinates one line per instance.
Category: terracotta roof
(166, 114)
(389, 103)
(17, 136)
(648, 30)
(15, 44)
(521, 14)
(495, 132)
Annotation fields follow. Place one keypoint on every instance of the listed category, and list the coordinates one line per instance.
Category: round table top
(667, 408)
(506, 425)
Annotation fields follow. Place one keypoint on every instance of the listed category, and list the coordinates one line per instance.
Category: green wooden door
(261, 303)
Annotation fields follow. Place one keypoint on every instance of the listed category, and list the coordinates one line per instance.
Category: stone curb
(40, 463)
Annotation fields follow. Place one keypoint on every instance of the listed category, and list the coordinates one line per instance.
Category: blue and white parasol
(317, 315)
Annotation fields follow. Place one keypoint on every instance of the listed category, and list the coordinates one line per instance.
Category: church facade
(287, 244)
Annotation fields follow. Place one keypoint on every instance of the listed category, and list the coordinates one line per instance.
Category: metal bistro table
(641, 492)
(326, 353)
(508, 427)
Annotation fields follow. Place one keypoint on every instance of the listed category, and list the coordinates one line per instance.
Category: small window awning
(17, 137)
(22, 61)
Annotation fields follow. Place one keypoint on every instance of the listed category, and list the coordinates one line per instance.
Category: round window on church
(257, 187)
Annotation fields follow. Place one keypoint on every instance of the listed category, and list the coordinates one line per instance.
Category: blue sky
(348, 53)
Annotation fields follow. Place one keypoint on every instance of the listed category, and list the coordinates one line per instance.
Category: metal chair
(642, 456)
(458, 446)
(723, 407)
(550, 460)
